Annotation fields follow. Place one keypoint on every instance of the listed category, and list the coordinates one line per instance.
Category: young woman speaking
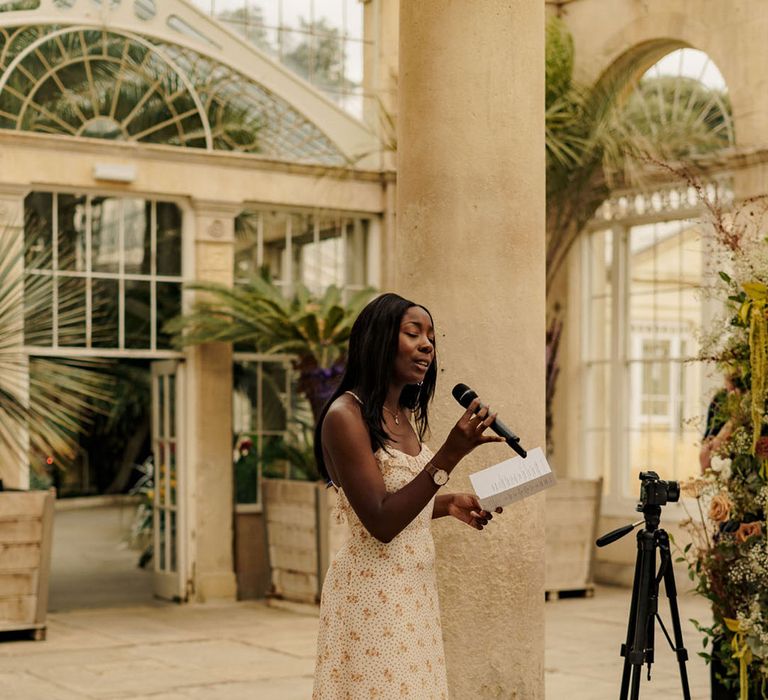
(380, 635)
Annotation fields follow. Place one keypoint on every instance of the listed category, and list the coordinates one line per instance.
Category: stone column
(470, 246)
(209, 388)
(14, 459)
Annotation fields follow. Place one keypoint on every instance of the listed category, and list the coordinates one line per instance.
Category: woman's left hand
(466, 507)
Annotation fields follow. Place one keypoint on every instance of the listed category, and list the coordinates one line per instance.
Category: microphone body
(464, 395)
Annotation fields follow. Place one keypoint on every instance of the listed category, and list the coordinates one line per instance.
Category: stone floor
(249, 650)
(108, 639)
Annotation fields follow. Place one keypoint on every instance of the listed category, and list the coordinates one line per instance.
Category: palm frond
(45, 404)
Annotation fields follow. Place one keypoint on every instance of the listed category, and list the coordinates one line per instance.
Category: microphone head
(463, 394)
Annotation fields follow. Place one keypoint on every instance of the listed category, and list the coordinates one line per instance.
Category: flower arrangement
(727, 554)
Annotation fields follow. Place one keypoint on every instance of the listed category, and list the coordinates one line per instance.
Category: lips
(423, 364)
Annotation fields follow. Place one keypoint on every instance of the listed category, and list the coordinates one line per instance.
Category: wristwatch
(439, 476)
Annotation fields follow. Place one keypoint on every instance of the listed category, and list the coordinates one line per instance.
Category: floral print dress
(380, 635)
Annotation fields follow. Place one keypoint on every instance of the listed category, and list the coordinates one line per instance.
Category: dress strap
(355, 396)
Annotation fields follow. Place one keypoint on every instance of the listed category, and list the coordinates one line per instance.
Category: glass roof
(112, 84)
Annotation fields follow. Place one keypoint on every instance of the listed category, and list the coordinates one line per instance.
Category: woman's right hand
(469, 432)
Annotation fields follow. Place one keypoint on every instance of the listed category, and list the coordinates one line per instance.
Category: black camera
(657, 492)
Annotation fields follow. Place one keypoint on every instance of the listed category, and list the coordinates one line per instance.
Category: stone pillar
(14, 459)
(209, 403)
(470, 246)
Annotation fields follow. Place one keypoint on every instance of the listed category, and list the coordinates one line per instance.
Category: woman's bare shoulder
(344, 413)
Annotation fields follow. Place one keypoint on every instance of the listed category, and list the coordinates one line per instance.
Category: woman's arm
(385, 515)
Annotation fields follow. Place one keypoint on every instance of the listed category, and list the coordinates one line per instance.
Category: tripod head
(654, 493)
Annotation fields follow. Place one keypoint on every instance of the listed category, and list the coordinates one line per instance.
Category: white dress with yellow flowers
(380, 635)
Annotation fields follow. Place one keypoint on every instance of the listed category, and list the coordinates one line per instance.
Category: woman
(380, 634)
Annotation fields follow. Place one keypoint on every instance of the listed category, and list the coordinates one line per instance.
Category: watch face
(440, 477)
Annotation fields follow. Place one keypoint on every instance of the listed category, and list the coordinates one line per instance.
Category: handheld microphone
(464, 395)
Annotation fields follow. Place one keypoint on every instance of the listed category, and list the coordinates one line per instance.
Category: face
(416, 346)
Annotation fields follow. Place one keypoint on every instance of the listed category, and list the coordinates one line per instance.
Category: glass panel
(137, 314)
(105, 301)
(172, 405)
(275, 225)
(72, 310)
(38, 310)
(161, 398)
(106, 213)
(247, 244)
(302, 235)
(173, 563)
(597, 420)
(38, 231)
(245, 378)
(354, 18)
(72, 231)
(296, 13)
(168, 239)
(138, 243)
(273, 462)
(162, 563)
(273, 413)
(356, 253)
(246, 468)
(173, 473)
(168, 307)
(599, 264)
(160, 473)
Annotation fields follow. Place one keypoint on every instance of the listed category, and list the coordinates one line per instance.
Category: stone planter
(26, 530)
(572, 515)
(302, 537)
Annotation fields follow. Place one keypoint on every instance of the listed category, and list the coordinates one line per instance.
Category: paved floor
(108, 639)
(91, 563)
(236, 651)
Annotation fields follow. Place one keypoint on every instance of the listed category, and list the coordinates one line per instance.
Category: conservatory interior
(210, 141)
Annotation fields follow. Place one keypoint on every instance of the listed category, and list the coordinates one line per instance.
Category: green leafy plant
(256, 316)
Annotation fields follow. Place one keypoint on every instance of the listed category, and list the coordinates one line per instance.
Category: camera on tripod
(639, 646)
(657, 492)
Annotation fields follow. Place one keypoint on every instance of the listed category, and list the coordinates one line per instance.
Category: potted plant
(314, 330)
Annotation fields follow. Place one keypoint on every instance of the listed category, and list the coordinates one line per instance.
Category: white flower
(721, 465)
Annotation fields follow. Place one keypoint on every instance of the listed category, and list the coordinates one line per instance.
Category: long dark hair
(373, 344)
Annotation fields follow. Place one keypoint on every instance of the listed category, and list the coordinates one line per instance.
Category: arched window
(644, 260)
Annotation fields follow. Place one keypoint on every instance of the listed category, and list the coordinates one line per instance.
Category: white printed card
(512, 480)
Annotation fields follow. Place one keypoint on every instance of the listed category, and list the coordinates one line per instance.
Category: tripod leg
(630, 628)
(646, 543)
(671, 590)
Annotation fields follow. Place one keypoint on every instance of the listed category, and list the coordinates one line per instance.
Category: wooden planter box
(572, 515)
(26, 529)
(302, 537)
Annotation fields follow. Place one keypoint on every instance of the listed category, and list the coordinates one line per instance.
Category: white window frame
(677, 339)
(88, 274)
(619, 219)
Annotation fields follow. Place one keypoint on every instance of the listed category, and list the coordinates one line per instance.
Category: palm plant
(256, 315)
(45, 403)
(600, 136)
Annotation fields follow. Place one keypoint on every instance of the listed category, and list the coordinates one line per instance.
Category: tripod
(638, 649)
